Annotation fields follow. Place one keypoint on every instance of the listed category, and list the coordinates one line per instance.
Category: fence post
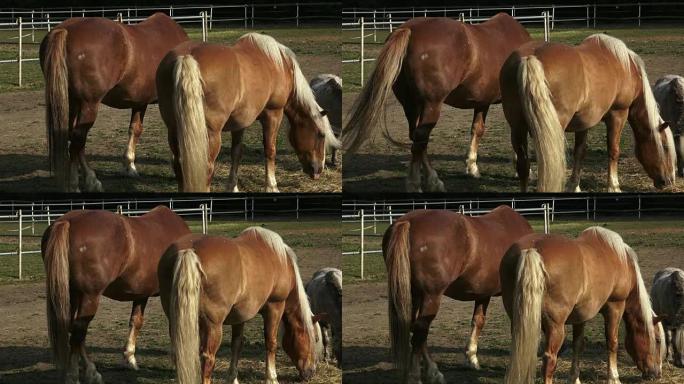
(362, 39)
(211, 17)
(390, 214)
(545, 206)
(48, 215)
(297, 5)
(375, 31)
(297, 199)
(553, 16)
(33, 219)
(390, 22)
(203, 207)
(33, 29)
(48, 22)
(252, 15)
(545, 14)
(362, 244)
(119, 17)
(246, 209)
(204, 28)
(639, 196)
(594, 15)
(20, 48)
(21, 239)
(461, 17)
(588, 16)
(245, 16)
(211, 209)
(639, 5)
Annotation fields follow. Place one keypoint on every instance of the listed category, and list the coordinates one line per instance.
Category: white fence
(368, 220)
(24, 26)
(368, 27)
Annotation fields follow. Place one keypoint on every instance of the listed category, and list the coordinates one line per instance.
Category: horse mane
(627, 254)
(303, 95)
(276, 243)
(626, 56)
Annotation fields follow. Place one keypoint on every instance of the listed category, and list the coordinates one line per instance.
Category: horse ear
(318, 317)
(663, 125)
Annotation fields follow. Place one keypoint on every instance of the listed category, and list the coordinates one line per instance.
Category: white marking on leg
(434, 184)
(413, 178)
(271, 184)
(613, 182)
(129, 158)
(432, 373)
(129, 353)
(471, 161)
(471, 350)
(92, 184)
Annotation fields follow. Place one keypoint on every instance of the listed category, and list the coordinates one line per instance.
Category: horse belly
(466, 290)
(241, 313)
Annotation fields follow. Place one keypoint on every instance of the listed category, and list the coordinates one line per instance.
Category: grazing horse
(428, 62)
(548, 281)
(88, 254)
(325, 294)
(667, 295)
(208, 281)
(93, 60)
(429, 254)
(550, 88)
(209, 88)
(669, 93)
(327, 88)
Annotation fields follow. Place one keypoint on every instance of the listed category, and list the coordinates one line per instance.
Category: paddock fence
(20, 220)
(368, 218)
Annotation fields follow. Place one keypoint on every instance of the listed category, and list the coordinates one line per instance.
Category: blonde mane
(627, 254)
(303, 95)
(626, 57)
(276, 243)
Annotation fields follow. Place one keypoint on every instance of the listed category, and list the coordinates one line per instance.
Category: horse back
(667, 295)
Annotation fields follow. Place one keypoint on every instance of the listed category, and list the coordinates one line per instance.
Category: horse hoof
(233, 188)
(93, 376)
(412, 188)
(131, 172)
(473, 363)
(272, 190)
(94, 186)
(436, 378)
(131, 362)
(435, 185)
(472, 170)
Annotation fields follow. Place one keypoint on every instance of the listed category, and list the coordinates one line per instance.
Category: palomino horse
(208, 281)
(209, 88)
(88, 61)
(325, 295)
(669, 93)
(327, 88)
(433, 253)
(88, 254)
(548, 281)
(429, 62)
(667, 294)
(549, 88)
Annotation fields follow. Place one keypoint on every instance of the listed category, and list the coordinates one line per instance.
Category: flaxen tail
(526, 317)
(184, 316)
(193, 139)
(57, 104)
(399, 294)
(370, 104)
(56, 260)
(544, 125)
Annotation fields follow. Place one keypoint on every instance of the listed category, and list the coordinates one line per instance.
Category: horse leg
(87, 308)
(522, 161)
(555, 334)
(578, 157)
(477, 130)
(577, 349)
(325, 335)
(86, 119)
(615, 121)
(479, 314)
(612, 313)
(270, 122)
(237, 338)
(272, 314)
(135, 129)
(421, 327)
(419, 156)
(235, 157)
(211, 333)
(135, 323)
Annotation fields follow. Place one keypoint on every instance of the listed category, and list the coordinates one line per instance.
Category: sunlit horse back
(89, 254)
(549, 88)
(88, 61)
(548, 281)
(209, 88)
(431, 253)
(208, 281)
(428, 62)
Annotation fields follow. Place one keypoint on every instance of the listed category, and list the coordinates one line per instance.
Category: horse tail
(399, 294)
(370, 104)
(184, 315)
(57, 104)
(193, 138)
(56, 260)
(547, 133)
(530, 284)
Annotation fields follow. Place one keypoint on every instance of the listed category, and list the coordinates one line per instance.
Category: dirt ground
(23, 157)
(366, 330)
(379, 166)
(24, 347)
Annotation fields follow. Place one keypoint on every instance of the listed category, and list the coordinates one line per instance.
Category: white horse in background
(325, 295)
(669, 93)
(667, 295)
(328, 91)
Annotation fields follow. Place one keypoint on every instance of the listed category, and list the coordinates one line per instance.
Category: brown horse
(88, 61)
(209, 88)
(88, 254)
(208, 281)
(548, 89)
(429, 62)
(549, 281)
(434, 253)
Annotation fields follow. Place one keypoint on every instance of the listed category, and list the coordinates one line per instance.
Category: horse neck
(633, 315)
(639, 119)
